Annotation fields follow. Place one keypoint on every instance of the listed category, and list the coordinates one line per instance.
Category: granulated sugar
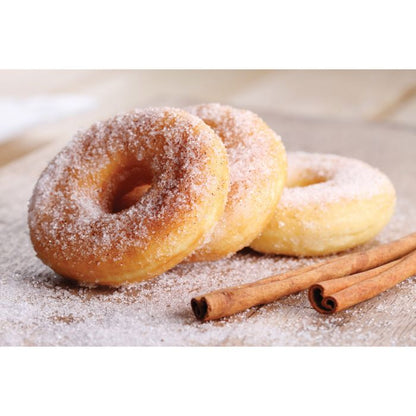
(40, 308)
(338, 179)
(37, 307)
(71, 218)
(257, 172)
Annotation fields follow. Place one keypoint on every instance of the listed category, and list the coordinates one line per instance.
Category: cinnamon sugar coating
(257, 161)
(331, 203)
(78, 226)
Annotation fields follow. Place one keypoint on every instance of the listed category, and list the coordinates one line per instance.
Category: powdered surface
(255, 156)
(39, 308)
(338, 179)
(70, 215)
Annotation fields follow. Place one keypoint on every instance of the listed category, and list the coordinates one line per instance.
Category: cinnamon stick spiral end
(200, 308)
(321, 303)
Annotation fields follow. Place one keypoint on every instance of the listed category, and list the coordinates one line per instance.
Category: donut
(331, 203)
(86, 226)
(257, 161)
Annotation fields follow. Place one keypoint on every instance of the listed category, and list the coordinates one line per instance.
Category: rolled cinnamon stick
(332, 286)
(319, 293)
(336, 295)
(226, 302)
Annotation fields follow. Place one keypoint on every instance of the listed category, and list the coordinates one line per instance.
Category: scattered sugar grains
(37, 307)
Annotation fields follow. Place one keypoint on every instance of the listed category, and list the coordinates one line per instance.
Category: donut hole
(133, 183)
(303, 181)
(130, 198)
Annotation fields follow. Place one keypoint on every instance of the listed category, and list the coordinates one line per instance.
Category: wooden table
(381, 96)
(362, 114)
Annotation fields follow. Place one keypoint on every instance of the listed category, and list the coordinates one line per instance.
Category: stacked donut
(135, 195)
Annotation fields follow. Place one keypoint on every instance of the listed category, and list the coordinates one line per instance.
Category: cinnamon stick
(325, 289)
(336, 295)
(226, 302)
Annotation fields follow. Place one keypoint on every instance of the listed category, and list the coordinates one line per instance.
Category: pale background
(382, 36)
(364, 95)
(363, 114)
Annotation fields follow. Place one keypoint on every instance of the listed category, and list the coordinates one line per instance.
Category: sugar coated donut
(331, 203)
(257, 161)
(84, 227)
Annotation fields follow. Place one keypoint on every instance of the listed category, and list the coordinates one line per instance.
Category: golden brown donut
(257, 161)
(331, 203)
(82, 224)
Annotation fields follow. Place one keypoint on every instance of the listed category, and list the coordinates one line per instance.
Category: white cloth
(17, 114)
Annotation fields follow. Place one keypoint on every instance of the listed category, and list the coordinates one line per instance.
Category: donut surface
(330, 204)
(257, 161)
(81, 220)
